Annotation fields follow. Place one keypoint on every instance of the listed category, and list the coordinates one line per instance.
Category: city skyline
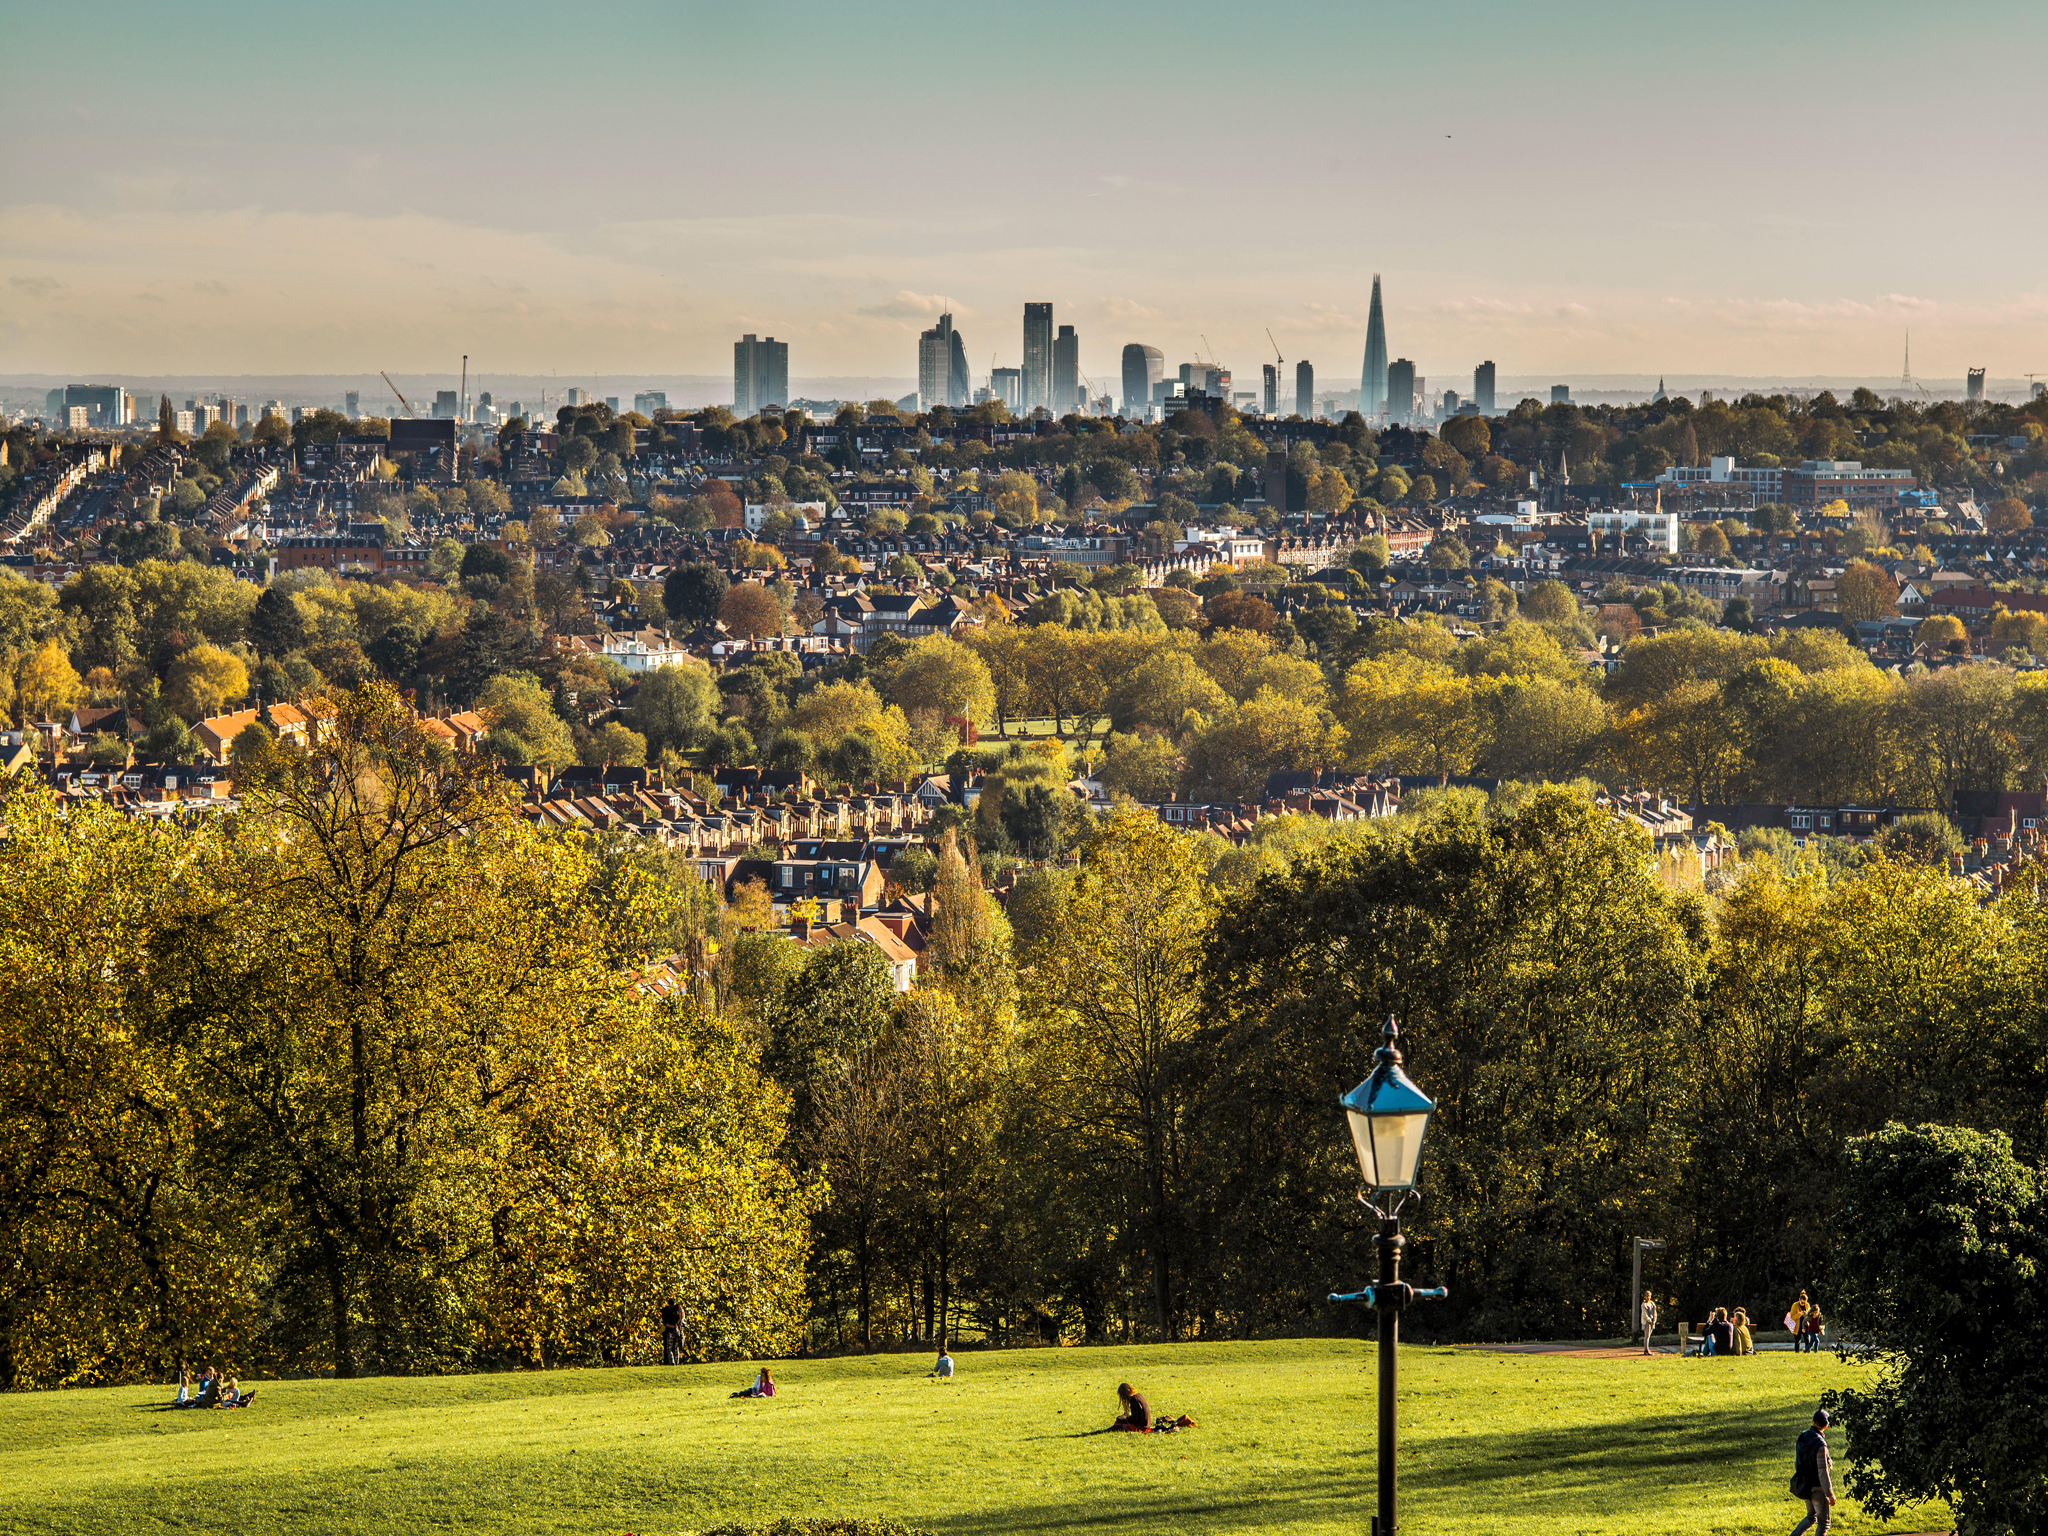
(404, 206)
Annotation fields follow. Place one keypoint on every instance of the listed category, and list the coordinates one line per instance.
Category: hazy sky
(1563, 187)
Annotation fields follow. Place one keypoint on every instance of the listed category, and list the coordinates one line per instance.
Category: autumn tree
(1116, 1009)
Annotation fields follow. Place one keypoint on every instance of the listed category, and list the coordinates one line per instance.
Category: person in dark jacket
(672, 1333)
(1813, 1471)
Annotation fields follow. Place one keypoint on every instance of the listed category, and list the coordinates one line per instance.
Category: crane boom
(396, 391)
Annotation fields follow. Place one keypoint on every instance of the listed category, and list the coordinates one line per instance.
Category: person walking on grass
(1649, 1319)
(672, 1332)
(1813, 1477)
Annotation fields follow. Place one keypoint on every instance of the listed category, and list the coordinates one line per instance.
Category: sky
(1568, 188)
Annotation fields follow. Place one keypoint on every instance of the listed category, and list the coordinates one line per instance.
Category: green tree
(1940, 1271)
(673, 706)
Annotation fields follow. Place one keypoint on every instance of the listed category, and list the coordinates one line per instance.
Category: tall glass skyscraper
(1037, 356)
(1372, 389)
(1066, 371)
(760, 375)
(1143, 368)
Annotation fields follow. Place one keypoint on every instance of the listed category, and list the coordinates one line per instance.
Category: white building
(1657, 529)
(1763, 484)
(645, 650)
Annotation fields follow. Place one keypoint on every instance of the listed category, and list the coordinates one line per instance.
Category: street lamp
(1388, 1116)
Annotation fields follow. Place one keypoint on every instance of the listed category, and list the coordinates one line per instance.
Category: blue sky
(1565, 188)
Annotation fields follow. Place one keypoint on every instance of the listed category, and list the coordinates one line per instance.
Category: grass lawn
(1490, 1443)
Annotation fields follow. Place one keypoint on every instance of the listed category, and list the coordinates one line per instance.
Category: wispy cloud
(905, 305)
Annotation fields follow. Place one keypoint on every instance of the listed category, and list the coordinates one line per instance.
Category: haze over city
(1588, 189)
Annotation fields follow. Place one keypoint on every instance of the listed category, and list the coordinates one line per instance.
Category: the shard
(1372, 389)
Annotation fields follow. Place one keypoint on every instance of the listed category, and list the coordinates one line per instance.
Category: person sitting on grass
(764, 1386)
(209, 1389)
(232, 1395)
(1744, 1344)
(1136, 1419)
(184, 1386)
(944, 1369)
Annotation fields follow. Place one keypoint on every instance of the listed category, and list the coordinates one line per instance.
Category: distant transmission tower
(1906, 379)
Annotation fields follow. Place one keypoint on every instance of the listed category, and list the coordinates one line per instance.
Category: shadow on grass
(1622, 1469)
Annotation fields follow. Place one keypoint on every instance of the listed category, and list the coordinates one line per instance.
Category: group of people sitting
(764, 1385)
(214, 1391)
(1136, 1418)
(1725, 1335)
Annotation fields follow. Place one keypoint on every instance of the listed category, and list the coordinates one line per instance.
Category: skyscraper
(1143, 367)
(1270, 381)
(1037, 356)
(1305, 390)
(1007, 385)
(1398, 391)
(1066, 371)
(942, 366)
(352, 402)
(645, 401)
(760, 374)
(959, 390)
(1482, 387)
(1373, 393)
(934, 362)
(1973, 385)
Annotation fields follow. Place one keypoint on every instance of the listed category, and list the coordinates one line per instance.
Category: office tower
(1143, 367)
(1037, 356)
(959, 389)
(1007, 385)
(486, 408)
(1398, 391)
(1482, 387)
(760, 374)
(1066, 372)
(447, 405)
(578, 397)
(1974, 389)
(106, 405)
(241, 415)
(1270, 382)
(78, 417)
(352, 404)
(942, 366)
(1560, 394)
(1305, 390)
(1373, 391)
(646, 402)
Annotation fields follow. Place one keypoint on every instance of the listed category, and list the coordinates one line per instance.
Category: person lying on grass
(1136, 1419)
(764, 1386)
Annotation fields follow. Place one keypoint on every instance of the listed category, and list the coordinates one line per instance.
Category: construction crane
(396, 391)
(1279, 367)
(465, 386)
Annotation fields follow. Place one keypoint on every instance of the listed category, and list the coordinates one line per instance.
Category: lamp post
(1388, 1116)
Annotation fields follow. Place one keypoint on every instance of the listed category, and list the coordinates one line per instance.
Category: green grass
(1490, 1443)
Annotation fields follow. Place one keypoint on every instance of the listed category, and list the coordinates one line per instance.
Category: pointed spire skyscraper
(1372, 389)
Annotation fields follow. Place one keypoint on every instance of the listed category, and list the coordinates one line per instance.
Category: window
(1802, 820)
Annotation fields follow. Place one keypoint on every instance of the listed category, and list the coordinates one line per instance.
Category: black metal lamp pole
(1387, 1302)
(1388, 1115)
